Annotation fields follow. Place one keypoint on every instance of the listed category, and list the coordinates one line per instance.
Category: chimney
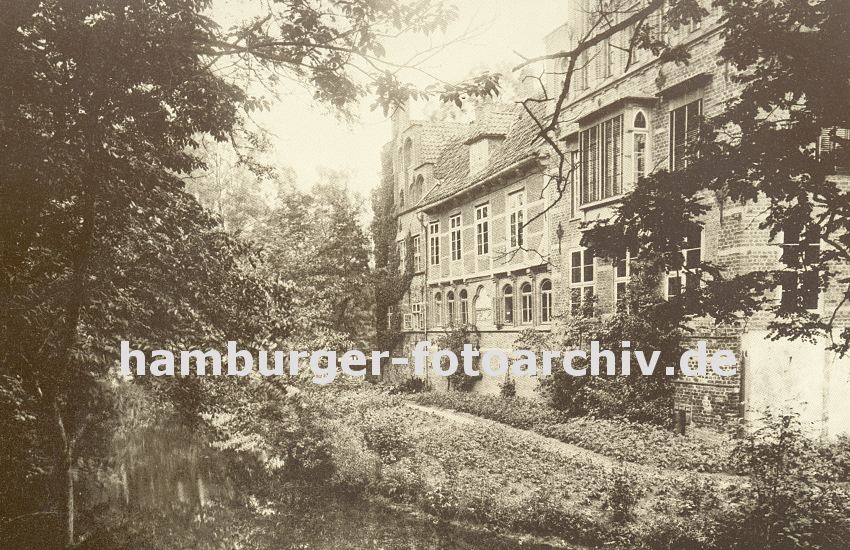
(401, 119)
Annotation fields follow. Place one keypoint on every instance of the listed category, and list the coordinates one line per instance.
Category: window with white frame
(416, 310)
(437, 315)
(464, 307)
(688, 277)
(546, 301)
(622, 275)
(800, 254)
(601, 160)
(684, 131)
(516, 217)
(640, 145)
(582, 271)
(508, 304)
(454, 226)
(482, 229)
(434, 242)
(450, 303)
(526, 304)
(416, 243)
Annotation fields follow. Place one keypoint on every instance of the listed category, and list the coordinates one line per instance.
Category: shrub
(385, 435)
(622, 493)
(791, 503)
(508, 388)
(413, 384)
(454, 340)
(354, 465)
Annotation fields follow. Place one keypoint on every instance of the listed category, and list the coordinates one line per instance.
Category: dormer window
(479, 154)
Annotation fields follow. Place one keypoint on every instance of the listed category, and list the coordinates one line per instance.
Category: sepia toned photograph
(424, 274)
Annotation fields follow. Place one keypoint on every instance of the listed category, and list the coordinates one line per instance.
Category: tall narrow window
(526, 301)
(639, 139)
(417, 253)
(482, 229)
(584, 69)
(450, 303)
(416, 310)
(434, 242)
(684, 130)
(575, 180)
(464, 307)
(454, 225)
(546, 301)
(516, 217)
(688, 277)
(622, 274)
(601, 160)
(800, 253)
(438, 310)
(610, 51)
(402, 256)
(581, 282)
(508, 304)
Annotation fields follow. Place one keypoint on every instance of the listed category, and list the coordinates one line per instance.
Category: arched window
(401, 198)
(408, 159)
(546, 301)
(464, 307)
(508, 304)
(526, 303)
(438, 309)
(640, 146)
(450, 302)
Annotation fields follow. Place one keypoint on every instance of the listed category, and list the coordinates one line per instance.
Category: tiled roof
(496, 120)
(452, 166)
(433, 137)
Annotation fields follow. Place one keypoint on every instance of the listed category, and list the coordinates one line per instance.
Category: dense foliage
(104, 106)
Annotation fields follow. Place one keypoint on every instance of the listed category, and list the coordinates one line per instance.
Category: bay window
(601, 160)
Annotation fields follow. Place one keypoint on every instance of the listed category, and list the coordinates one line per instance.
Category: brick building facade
(466, 193)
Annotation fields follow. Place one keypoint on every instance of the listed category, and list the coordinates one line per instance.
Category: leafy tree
(315, 241)
(103, 102)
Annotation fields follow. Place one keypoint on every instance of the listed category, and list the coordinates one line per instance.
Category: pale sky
(306, 136)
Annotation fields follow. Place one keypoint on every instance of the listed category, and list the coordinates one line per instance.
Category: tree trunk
(64, 478)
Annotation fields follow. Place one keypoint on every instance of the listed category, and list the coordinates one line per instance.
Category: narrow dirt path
(568, 450)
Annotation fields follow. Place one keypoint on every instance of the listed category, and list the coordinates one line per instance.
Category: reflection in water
(184, 496)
